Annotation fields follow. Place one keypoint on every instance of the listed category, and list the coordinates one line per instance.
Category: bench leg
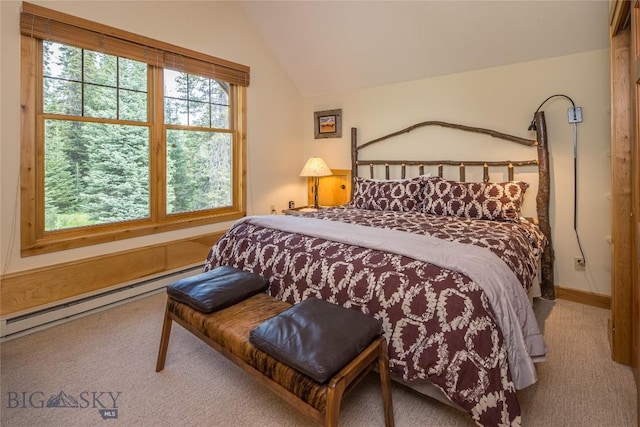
(164, 340)
(334, 398)
(385, 381)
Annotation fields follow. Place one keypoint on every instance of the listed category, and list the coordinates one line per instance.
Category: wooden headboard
(541, 161)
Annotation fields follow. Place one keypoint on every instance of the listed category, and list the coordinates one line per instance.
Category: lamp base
(316, 186)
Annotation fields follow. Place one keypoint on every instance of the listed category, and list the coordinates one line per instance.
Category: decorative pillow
(500, 201)
(388, 195)
(316, 337)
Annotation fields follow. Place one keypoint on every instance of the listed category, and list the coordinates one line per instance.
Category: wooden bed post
(354, 158)
(542, 205)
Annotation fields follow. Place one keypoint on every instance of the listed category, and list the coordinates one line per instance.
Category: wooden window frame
(39, 23)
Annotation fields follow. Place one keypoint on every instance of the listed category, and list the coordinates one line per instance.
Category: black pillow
(316, 337)
(217, 289)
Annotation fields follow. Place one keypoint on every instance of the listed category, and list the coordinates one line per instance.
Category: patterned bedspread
(439, 323)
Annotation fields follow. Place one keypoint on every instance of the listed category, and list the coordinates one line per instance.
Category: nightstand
(299, 211)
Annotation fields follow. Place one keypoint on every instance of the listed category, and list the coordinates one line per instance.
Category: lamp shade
(315, 166)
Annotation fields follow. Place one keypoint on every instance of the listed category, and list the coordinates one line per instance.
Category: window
(123, 138)
(199, 145)
(96, 161)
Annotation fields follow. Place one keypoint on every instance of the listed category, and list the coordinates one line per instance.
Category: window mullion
(83, 85)
(39, 150)
(209, 104)
(118, 88)
(158, 146)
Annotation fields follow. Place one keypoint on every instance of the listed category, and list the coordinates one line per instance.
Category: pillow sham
(501, 201)
(402, 195)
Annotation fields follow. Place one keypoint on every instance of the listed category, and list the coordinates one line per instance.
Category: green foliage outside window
(97, 139)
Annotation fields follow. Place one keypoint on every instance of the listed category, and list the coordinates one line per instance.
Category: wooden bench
(228, 331)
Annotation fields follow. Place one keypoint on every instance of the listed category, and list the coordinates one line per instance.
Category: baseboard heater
(22, 324)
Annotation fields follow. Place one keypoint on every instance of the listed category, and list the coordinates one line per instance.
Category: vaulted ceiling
(332, 46)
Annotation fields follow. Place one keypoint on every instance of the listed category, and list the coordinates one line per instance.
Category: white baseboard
(20, 324)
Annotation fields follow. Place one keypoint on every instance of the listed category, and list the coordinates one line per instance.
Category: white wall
(280, 124)
(505, 98)
(217, 28)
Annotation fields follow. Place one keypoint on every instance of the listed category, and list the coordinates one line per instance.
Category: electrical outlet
(575, 115)
(579, 263)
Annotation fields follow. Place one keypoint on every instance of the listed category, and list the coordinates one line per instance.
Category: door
(622, 138)
(635, 197)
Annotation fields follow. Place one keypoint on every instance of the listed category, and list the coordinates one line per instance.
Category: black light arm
(532, 126)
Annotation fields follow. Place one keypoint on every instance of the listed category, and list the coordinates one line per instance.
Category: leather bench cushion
(230, 328)
(217, 289)
(316, 337)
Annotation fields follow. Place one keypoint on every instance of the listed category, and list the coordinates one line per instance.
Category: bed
(448, 266)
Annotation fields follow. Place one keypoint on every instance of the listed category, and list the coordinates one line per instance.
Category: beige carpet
(110, 357)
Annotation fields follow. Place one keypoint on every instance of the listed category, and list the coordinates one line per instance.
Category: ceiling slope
(332, 46)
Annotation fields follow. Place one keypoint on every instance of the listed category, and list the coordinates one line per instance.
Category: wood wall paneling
(43, 287)
(334, 190)
(187, 252)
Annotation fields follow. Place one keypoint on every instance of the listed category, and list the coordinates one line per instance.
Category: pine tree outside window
(124, 136)
(199, 161)
(95, 172)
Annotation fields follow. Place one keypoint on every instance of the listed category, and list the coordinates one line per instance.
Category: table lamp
(315, 167)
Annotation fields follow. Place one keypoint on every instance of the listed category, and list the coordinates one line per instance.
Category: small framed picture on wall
(328, 124)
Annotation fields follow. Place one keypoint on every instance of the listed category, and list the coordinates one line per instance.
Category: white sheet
(506, 295)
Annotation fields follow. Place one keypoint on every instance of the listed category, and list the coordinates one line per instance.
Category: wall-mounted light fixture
(574, 113)
(575, 116)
